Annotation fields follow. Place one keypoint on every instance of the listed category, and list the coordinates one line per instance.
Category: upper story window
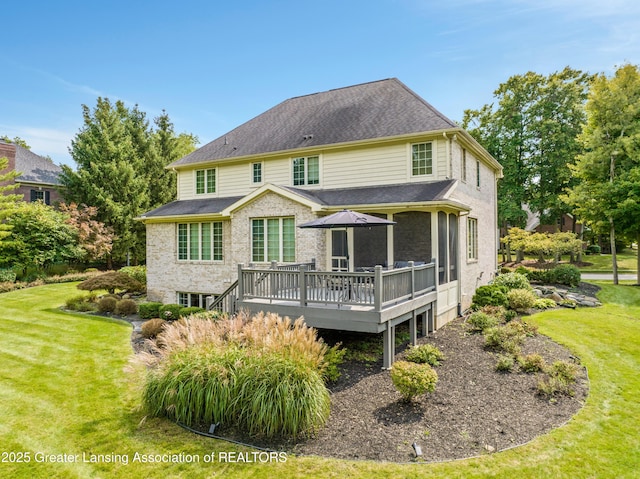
(205, 181)
(306, 171)
(256, 173)
(472, 239)
(478, 174)
(422, 159)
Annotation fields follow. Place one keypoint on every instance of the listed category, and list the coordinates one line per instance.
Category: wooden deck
(374, 302)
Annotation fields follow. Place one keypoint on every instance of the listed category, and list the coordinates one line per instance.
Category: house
(564, 224)
(376, 148)
(38, 180)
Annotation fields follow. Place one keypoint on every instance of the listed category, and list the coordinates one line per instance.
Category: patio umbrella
(347, 219)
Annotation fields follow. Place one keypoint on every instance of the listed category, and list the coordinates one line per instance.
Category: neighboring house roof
(35, 168)
(379, 109)
(330, 198)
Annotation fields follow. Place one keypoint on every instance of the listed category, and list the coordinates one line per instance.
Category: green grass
(627, 262)
(63, 390)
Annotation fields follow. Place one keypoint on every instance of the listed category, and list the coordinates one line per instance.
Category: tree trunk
(614, 259)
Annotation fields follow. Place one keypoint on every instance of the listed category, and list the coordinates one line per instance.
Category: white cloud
(44, 141)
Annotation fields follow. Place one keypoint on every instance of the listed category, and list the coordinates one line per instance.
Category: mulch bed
(474, 410)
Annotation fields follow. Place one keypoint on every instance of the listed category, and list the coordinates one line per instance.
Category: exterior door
(339, 250)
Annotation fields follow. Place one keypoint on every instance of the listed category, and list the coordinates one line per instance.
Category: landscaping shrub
(149, 310)
(333, 358)
(567, 274)
(532, 363)
(139, 273)
(521, 299)
(491, 294)
(539, 275)
(593, 249)
(506, 338)
(512, 281)
(498, 312)
(188, 311)
(425, 354)
(558, 380)
(544, 303)
(412, 379)
(111, 281)
(81, 303)
(480, 321)
(126, 307)
(262, 375)
(150, 329)
(563, 370)
(7, 276)
(107, 304)
(505, 363)
(170, 312)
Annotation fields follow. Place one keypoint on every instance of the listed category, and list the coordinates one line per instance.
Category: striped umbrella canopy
(347, 219)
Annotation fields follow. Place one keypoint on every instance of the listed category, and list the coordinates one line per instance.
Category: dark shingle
(379, 109)
(193, 207)
(35, 168)
(403, 193)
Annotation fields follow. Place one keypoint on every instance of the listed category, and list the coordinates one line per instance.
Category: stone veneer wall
(166, 275)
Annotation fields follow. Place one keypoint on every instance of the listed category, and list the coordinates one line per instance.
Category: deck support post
(413, 328)
(389, 346)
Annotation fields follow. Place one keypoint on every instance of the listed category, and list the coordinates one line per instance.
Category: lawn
(627, 262)
(64, 391)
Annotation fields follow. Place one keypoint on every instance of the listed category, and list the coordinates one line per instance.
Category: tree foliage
(94, 237)
(110, 282)
(40, 236)
(8, 200)
(120, 166)
(608, 194)
(16, 140)
(543, 244)
(532, 132)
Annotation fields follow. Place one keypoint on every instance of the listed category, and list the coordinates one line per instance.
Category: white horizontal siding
(441, 159)
(186, 186)
(234, 180)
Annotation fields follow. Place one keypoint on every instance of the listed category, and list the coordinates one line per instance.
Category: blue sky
(213, 65)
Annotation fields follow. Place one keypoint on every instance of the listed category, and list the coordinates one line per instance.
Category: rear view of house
(375, 148)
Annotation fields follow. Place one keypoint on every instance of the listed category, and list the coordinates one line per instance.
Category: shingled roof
(35, 168)
(380, 109)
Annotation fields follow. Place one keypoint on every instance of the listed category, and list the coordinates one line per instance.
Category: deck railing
(377, 289)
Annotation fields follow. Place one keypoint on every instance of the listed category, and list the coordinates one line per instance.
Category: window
(421, 159)
(472, 239)
(273, 239)
(306, 171)
(478, 174)
(194, 299)
(464, 165)
(256, 172)
(205, 181)
(200, 241)
(40, 195)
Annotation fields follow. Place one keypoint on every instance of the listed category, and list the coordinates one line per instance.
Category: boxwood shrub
(188, 311)
(490, 294)
(170, 312)
(565, 274)
(149, 310)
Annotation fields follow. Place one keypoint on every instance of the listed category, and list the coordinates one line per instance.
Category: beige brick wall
(166, 275)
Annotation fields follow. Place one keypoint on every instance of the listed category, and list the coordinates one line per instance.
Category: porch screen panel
(257, 240)
(370, 245)
(443, 248)
(205, 235)
(412, 237)
(288, 240)
(453, 247)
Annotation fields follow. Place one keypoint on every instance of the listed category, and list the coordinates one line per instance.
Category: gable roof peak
(367, 111)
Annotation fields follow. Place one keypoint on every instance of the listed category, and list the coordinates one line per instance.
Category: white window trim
(428, 176)
(200, 260)
(255, 183)
(474, 238)
(202, 298)
(306, 171)
(195, 182)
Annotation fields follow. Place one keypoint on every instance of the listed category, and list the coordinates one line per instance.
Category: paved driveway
(609, 276)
